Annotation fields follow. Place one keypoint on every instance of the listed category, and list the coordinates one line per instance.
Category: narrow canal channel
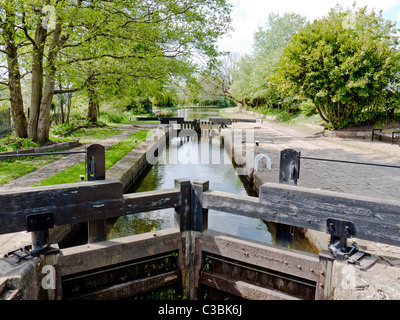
(219, 171)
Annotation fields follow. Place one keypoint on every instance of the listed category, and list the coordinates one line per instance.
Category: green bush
(61, 128)
(308, 108)
(115, 117)
(15, 143)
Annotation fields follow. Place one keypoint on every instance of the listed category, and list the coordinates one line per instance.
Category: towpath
(373, 181)
(376, 182)
(53, 168)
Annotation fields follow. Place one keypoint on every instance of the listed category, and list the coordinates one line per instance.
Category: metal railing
(94, 159)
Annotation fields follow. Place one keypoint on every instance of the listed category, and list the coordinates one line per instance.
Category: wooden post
(199, 223)
(50, 275)
(183, 223)
(191, 219)
(199, 216)
(182, 212)
(97, 230)
(325, 288)
(95, 170)
(288, 174)
(95, 162)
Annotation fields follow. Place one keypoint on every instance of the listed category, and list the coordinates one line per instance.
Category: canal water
(191, 164)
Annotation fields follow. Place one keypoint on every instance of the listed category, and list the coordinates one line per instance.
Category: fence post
(95, 162)
(288, 173)
(199, 219)
(182, 212)
(182, 222)
(96, 170)
(196, 126)
(199, 223)
(325, 289)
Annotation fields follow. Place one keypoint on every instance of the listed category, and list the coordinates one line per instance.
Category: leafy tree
(11, 45)
(146, 45)
(101, 47)
(212, 85)
(255, 80)
(344, 62)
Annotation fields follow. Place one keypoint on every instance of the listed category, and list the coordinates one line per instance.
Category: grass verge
(15, 168)
(113, 154)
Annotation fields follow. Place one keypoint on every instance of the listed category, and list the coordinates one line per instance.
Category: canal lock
(161, 176)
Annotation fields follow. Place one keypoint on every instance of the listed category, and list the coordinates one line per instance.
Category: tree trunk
(14, 78)
(228, 95)
(93, 110)
(62, 117)
(320, 112)
(69, 102)
(37, 79)
(43, 127)
(48, 94)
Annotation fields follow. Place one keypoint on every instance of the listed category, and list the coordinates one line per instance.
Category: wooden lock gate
(189, 255)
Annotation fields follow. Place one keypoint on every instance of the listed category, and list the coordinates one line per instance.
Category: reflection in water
(221, 174)
(222, 177)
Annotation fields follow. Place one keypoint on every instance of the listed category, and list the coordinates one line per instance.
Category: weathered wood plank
(375, 219)
(100, 254)
(64, 194)
(80, 202)
(199, 215)
(182, 218)
(133, 288)
(150, 200)
(296, 263)
(241, 288)
(65, 201)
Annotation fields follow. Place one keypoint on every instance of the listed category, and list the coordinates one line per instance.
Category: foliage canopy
(346, 63)
(100, 48)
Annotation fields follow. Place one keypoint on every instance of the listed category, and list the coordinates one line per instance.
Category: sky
(248, 15)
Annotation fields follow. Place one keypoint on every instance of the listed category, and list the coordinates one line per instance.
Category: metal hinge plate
(340, 228)
(39, 221)
(362, 259)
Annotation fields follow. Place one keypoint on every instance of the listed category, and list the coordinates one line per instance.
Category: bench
(378, 132)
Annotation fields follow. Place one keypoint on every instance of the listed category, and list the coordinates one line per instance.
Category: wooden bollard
(288, 174)
(199, 223)
(182, 212)
(95, 170)
(183, 224)
(199, 215)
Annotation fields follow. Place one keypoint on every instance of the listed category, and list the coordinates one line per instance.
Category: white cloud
(248, 15)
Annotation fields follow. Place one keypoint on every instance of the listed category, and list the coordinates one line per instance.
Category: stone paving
(378, 182)
(366, 180)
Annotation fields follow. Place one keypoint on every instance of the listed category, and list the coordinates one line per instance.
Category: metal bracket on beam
(39, 224)
(289, 170)
(39, 221)
(340, 231)
(340, 228)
